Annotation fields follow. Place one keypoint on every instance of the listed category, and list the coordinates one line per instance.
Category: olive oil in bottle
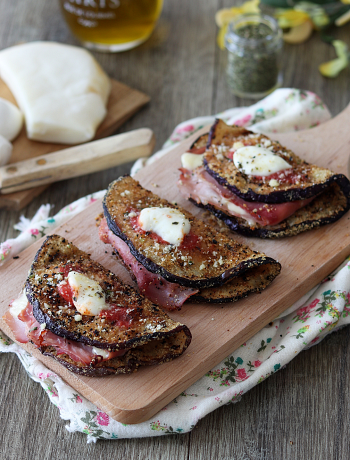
(111, 25)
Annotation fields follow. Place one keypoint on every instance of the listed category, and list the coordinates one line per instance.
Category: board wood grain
(217, 330)
(123, 102)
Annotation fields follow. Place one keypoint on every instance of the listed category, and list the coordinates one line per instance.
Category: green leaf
(97, 433)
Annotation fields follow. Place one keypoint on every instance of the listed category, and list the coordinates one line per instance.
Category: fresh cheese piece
(168, 223)
(11, 120)
(237, 145)
(88, 296)
(274, 183)
(101, 352)
(191, 161)
(61, 90)
(5, 150)
(19, 305)
(258, 161)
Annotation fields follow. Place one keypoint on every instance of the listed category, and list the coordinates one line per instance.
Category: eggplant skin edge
(60, 331)
(126, 365)
(89, 371)
(134, 342)
(276, 197)
(200, 284)
(283, 196)
(233, 224)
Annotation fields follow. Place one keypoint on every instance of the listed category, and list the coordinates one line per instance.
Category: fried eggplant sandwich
(82, 315)
(259, 188)
(174, 256)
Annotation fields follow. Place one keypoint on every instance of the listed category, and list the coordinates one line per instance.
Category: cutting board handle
(77, 161)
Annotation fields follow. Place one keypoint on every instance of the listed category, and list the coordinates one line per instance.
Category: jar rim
(255, 18)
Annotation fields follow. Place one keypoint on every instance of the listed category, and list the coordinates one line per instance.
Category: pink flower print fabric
(284, 110)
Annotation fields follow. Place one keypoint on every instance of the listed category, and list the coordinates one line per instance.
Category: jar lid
(238, 33)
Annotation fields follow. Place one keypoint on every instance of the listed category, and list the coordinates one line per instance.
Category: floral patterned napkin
(324, 309)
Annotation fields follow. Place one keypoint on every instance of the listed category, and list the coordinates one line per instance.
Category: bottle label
(96, 3)
(88, 17)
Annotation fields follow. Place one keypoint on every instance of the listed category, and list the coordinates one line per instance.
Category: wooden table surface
(301, 412)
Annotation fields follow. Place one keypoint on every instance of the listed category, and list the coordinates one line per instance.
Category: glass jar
(111, 25)
(254, 43)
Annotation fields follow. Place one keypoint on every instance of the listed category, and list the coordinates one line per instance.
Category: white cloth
(324, 309)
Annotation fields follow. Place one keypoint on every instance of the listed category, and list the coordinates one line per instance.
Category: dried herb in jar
(254, 44)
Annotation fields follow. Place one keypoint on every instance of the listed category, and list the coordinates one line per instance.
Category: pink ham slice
(160, 291)
(203, 188)
(25, 327)
(17, 327)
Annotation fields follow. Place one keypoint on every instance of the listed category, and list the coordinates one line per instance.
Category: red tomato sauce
(121, 316)
(288, 176)
(190, 241)
(66, 292)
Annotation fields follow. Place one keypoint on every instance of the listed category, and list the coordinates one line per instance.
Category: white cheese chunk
(168, 223)
(237, 145)
(100, 352)
(61, 90)
(258, 161)
(5, 151)
(11, 120)
(19, 305)
(88, 296)
(191, 160)
(274, 183)
(239, 212)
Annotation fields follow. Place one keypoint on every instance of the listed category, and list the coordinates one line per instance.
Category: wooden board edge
(143, 413)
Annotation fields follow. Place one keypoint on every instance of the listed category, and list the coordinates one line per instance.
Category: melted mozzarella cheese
(88, 296)
(100, 352)
(258, 161)
(237, 211)
(191, 161)
(168, 223)
(19, 305)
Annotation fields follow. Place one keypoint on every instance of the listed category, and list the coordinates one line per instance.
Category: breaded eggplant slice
(213, 260)
(309, 180)
(325, 209)
(146, 332)
(153, 352)
(253, 280)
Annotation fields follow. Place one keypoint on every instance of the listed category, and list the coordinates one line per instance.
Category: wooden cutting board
(217, 330)
(122, 104)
